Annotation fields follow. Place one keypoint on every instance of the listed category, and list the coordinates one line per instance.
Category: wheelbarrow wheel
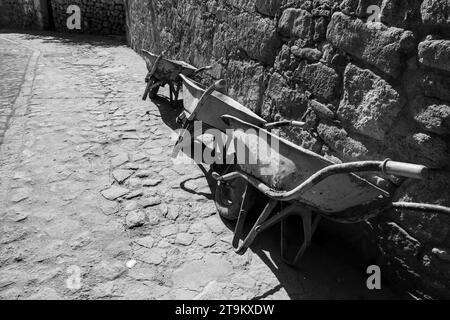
(228, 198)
(154, 92)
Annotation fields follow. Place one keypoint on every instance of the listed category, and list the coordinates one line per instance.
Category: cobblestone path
(87, 185)
(14, 63)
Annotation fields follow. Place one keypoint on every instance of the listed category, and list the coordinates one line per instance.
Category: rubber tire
(153, 93)
(228, 198)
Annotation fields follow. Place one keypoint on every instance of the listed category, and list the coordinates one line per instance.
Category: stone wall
(20, 14)
(378, 90)
(98, 17)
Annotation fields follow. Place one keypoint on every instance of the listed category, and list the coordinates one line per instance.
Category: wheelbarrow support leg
(309, 228)
(177, 90)
(172, 94)
(239, 229)
(243, 247)
(149, 86)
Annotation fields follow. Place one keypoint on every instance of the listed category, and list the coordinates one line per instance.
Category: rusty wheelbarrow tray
(310, 186)
(162, 71)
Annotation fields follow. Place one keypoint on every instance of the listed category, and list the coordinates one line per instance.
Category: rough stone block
(255, 36)
(321, 80)
(246, 83)
(432, 115)
(380, 46)
(435, 12)
(306, 53)
(287, 101)
(435, 54)
(297, 24)
(339, 141)
(370, 104)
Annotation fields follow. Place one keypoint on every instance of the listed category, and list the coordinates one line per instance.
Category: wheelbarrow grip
(279, 124)
(200, 70)
(406, 170)
(284, 123)
(206, 68)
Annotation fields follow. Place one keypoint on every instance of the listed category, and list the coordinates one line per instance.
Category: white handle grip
(406, 170)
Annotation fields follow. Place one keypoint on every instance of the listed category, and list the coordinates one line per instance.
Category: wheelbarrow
(305, 184)
(162, 71)
(296, 181)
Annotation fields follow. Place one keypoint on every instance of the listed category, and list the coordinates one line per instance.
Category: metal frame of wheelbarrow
(306, 212)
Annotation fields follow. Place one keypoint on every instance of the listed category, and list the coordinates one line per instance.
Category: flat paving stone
(114, 193)
(184, 239)
(135, 219)
(122, 175)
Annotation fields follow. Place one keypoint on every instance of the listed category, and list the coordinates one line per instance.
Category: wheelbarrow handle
(284, 123)
(421, 207)
(206, 68)
(387, 167)
(155, 64)
(406, 170)
(204, 97)
(200, 70)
